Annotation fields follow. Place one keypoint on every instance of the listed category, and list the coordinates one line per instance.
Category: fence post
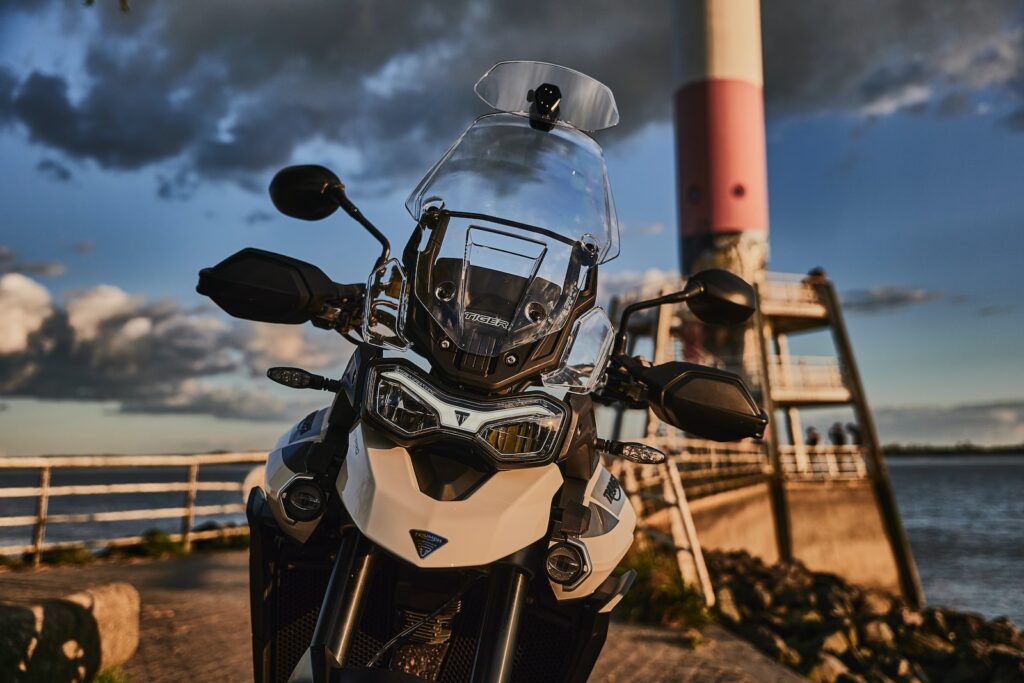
(190, 505)
(42, 503)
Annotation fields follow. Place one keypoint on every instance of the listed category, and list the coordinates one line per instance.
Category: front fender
(378, 487)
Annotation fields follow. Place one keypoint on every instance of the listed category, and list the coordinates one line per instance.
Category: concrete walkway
(195, 627)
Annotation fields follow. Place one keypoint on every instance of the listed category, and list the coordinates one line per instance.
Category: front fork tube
(342, 604)
(496, 646)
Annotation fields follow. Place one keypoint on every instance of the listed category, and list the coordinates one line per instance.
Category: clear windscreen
(584, 103)
(492, 287)
(502, 167)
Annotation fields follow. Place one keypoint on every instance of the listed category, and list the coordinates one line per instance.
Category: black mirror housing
(303, 192)
(253, 284)
(709, 403)
(724, 298)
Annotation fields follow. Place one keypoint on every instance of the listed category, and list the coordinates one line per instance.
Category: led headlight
(517, 430)
(521, 439)
(401, 408)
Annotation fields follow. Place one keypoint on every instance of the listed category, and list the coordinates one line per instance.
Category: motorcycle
(450, 516)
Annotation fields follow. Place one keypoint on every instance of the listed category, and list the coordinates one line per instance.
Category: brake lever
(620, 385)
(345, 312)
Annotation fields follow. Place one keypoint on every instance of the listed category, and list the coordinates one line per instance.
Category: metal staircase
(788, 305)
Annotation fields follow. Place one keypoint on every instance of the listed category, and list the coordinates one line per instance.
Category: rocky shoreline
(833, 631)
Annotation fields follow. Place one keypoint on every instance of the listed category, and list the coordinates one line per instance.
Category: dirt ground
(195, 627)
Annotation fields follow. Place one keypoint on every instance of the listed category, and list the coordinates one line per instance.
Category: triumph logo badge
(426, 542)
(461, 416)
(613, 491)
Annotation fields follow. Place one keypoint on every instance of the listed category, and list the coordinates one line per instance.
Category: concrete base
(836, 527)
(69, 639)
(737, 520)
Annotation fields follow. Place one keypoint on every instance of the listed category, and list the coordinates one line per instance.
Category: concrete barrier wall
(837, 527)
(737, 520)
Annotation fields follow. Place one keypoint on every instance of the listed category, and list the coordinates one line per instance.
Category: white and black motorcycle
(449, 517)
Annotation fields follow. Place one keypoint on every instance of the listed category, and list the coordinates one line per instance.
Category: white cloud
(268, 345)
(895, 100)
(87, 309)
(151, 357)
(24, 306)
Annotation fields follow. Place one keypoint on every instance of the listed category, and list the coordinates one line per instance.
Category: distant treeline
(965, 448)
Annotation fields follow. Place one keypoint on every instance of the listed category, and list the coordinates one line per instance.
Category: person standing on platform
(812, 438)
(837, 435)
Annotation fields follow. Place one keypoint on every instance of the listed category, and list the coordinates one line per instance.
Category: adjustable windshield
(503, 167)
(523, 210)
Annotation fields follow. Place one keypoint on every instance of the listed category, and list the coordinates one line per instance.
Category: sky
(136, 147)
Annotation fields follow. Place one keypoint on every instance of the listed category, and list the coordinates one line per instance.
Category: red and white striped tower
(720, 157)
(720, 141)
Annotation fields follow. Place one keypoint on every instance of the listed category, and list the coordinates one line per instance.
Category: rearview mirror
(253, 284)
(709, 403)
(724, 298)
(302, 192)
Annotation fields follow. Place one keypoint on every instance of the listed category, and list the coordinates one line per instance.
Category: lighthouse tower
(720, 140)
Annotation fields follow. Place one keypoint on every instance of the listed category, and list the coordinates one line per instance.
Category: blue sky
(134, 150)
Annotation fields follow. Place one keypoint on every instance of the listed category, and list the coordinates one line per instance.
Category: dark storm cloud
(883, 299)
(227, 93)
(105, 345)
(55, 170)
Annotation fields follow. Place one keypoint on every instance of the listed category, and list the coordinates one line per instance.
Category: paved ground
(195, 627)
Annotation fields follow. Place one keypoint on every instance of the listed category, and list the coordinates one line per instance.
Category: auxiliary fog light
(566, 564)
(304, 500)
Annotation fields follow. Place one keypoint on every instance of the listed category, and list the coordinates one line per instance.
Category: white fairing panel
(506, 513)
(612, 522)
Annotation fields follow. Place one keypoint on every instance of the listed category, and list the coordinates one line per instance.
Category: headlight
(523, 439)
(518, 430)
(401, 409)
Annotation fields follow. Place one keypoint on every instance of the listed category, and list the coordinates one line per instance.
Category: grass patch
(114, 675)
(240, 542)
(659, 596)
(155, 543)
(72, 556)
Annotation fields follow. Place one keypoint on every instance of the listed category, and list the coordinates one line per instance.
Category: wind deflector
(586, 104)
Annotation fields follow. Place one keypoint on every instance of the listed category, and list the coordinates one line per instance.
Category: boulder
(876, 603)
(827, 670)
(878, 635)
(909, 618)
(727, 606)
(72, 638)
(836, 643)
(928, 647)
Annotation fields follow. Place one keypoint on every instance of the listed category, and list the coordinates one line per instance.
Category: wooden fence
(189, 487)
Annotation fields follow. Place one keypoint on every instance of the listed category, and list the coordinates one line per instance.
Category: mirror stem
(338, 192)
(692, 289)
